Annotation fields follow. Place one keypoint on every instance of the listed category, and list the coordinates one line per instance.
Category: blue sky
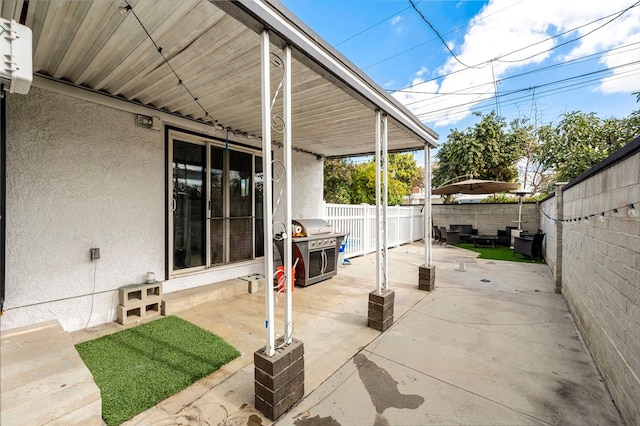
(544, 57)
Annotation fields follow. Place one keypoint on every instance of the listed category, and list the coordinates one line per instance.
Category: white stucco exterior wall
(83, 175)
(307, 181)
(79, 175)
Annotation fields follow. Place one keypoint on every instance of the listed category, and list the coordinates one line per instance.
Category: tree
(338, 180)
(348, 183)
(364, 186)
(488, 150)
(581, 140)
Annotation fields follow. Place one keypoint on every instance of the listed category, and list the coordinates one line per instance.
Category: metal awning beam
(321, 58)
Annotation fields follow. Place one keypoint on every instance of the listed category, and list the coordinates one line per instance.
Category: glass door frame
(209, 143)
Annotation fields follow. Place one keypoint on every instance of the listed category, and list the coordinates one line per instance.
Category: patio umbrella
(475, 186)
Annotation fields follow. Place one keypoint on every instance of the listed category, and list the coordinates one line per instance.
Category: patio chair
(504, 237)
(453, 237)
(529, 246)
(443, 235)
(466, 232)
(436, 233)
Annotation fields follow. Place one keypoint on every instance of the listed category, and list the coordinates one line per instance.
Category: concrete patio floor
(492, 344)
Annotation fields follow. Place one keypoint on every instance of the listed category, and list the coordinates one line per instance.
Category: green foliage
(364, 186)
(581, 140)
(510, 199)
(348, 183)
(403, 168)
(500, 198)
(338, 181)
(489, 150)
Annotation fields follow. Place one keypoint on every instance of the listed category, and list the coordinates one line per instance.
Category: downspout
(3, 192)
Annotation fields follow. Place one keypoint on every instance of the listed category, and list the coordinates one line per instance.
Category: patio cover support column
(427, 272)
(380, 313)
(279, 370)
(267, 194)
(378, 220)
(288, 250)
(385, 205)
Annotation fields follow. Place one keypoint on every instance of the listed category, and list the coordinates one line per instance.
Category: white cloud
(502, 27)
(625, 78)
(396, 19)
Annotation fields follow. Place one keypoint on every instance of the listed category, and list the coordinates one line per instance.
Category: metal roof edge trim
(170, 119)
(373, 153)
(273, 15)
(108, 100)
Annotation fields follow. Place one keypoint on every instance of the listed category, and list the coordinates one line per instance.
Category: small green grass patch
(138, 367)
(498, 253)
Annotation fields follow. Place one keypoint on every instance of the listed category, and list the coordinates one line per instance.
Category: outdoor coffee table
(485, 240)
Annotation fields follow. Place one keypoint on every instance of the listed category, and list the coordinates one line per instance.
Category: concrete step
(186, 299)
(43, 380)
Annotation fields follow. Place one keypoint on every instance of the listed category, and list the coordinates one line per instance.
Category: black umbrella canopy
(475, 186)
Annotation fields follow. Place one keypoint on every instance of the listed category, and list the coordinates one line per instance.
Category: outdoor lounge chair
(504, 237)
(453, 237)
(529, 246)
(466, 232)
(443, 235)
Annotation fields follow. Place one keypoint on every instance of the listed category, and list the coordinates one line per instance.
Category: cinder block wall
(601, 276)
(486, 218)
(548, 209)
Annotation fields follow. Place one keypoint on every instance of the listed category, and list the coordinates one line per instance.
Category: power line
(513, 101)
(538, 86)
(372, 26)
(483, 105)
(472, 21)
(618, 13)
(575, 61)
(439, 36)
(572, 40)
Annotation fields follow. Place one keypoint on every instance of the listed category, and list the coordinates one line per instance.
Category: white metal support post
(427, 272)
(267, 194)
(288, 251)
(380, 312)
(279, 370)
(428, 227)
(385, 203)
(378, 208)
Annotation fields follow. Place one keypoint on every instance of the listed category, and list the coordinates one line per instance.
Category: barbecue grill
(316, 247)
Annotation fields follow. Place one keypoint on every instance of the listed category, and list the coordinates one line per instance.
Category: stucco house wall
(83, 175)
(307, 177)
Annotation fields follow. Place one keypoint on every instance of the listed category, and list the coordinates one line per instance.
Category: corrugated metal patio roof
(214, 48)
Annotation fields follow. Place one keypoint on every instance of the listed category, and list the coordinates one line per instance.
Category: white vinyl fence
(405, 224)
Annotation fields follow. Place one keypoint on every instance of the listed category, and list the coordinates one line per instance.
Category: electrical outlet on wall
(94, 253)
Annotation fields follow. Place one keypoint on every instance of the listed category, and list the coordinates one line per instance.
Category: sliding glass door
(216, 205)
(188, 205)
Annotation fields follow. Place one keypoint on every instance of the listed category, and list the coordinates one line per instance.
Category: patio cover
(202, 62)
(214, 47)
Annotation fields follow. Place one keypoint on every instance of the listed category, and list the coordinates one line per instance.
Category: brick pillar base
(279, 380)
(427, 278)
(381, 310)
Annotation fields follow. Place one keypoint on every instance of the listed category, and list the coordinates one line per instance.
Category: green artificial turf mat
(138, 367)
(498, 253)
